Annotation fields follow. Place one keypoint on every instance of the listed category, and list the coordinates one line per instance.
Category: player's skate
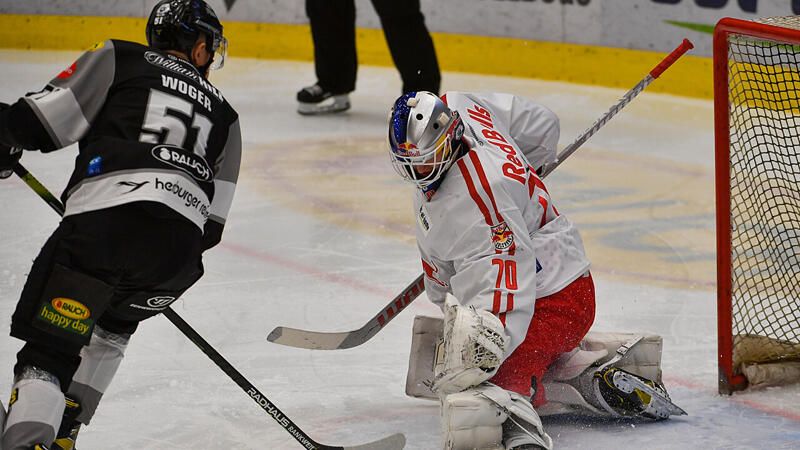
(68, 431)
(316, 100)
(625, 394)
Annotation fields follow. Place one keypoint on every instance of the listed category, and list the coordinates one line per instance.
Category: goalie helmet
(423, 137)
(176, 24)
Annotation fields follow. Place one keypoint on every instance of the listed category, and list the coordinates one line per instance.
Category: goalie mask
(423, 137)
(176, 24)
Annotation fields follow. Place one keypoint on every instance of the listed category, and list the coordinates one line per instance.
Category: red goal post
(757, 150)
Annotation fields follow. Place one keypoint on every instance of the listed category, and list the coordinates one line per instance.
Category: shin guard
(35, 410)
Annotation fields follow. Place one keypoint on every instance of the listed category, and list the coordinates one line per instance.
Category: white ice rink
(320, 237)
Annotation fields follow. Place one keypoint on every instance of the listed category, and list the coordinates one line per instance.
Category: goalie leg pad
(475, 343)
(426, 336)
(522, 427)
(471, 419)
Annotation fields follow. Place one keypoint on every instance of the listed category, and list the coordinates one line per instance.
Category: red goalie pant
(559, 323)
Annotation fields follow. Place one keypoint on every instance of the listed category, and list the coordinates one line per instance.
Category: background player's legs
(410, 44)
(559, 323)
(333, 30)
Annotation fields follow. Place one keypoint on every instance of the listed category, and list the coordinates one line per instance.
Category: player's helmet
(423, 131)
(175, 25)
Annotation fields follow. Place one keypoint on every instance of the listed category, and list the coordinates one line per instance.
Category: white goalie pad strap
(525, 426)
(475, 343)
(471, 419)
(99, 363)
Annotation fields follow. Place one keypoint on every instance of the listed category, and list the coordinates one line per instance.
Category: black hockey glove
(8, 157)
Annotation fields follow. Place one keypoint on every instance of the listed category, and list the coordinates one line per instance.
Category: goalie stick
(319, 340)
(394, 442)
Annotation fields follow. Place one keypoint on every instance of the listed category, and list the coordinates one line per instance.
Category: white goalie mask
(423, 132)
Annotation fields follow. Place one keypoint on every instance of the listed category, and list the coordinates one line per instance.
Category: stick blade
(314, 340)
(394, 442)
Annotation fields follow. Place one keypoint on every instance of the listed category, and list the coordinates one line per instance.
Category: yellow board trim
(603, 66)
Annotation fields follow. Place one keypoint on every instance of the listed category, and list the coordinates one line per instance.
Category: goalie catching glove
(474, 346)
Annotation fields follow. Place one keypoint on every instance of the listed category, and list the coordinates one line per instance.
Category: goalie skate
(625, 394)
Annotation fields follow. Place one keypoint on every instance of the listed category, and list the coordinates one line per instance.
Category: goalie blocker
(608, 375)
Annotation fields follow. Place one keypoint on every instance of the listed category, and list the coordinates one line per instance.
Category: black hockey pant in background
(333, 32)
(112, 268)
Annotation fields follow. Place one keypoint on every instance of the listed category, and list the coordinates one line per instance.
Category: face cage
(405, 165)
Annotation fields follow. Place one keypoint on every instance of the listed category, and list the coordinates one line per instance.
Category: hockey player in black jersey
(159, 154)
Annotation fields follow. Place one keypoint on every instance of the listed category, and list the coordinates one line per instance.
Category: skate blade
(627, 383)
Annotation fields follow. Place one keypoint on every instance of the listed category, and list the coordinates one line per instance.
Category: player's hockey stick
(317, 340)
(394, 442)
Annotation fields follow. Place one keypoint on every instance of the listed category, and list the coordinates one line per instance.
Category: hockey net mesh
(764, 105)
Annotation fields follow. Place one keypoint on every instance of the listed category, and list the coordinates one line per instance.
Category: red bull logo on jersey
(502, 237)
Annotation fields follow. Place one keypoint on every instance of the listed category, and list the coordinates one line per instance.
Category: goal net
(757, 139)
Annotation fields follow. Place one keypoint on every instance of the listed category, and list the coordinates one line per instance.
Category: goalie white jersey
(488, 231)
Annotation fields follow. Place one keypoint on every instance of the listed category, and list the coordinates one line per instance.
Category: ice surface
(320, 238)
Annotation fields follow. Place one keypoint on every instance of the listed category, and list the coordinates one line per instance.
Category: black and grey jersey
(150, 128)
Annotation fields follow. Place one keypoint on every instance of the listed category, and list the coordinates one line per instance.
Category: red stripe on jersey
(485, 183)
(473, 192)
(444, 98)
(496, 304)
(543, 202)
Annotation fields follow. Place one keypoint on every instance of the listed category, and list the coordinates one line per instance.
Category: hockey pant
(559, 323)
(112, 268)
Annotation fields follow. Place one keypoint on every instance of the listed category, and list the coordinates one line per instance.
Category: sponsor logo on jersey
(174, 64)
(95, 167)
(502, 237)
(70, 308)
(189, 200)
(188, 162)
(133, 185)
(156, 303)
(67, 314)
(424, 222)
(68, 71)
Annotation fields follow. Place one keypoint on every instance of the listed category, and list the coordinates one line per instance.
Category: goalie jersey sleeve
(149, 127)
(491, 235)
